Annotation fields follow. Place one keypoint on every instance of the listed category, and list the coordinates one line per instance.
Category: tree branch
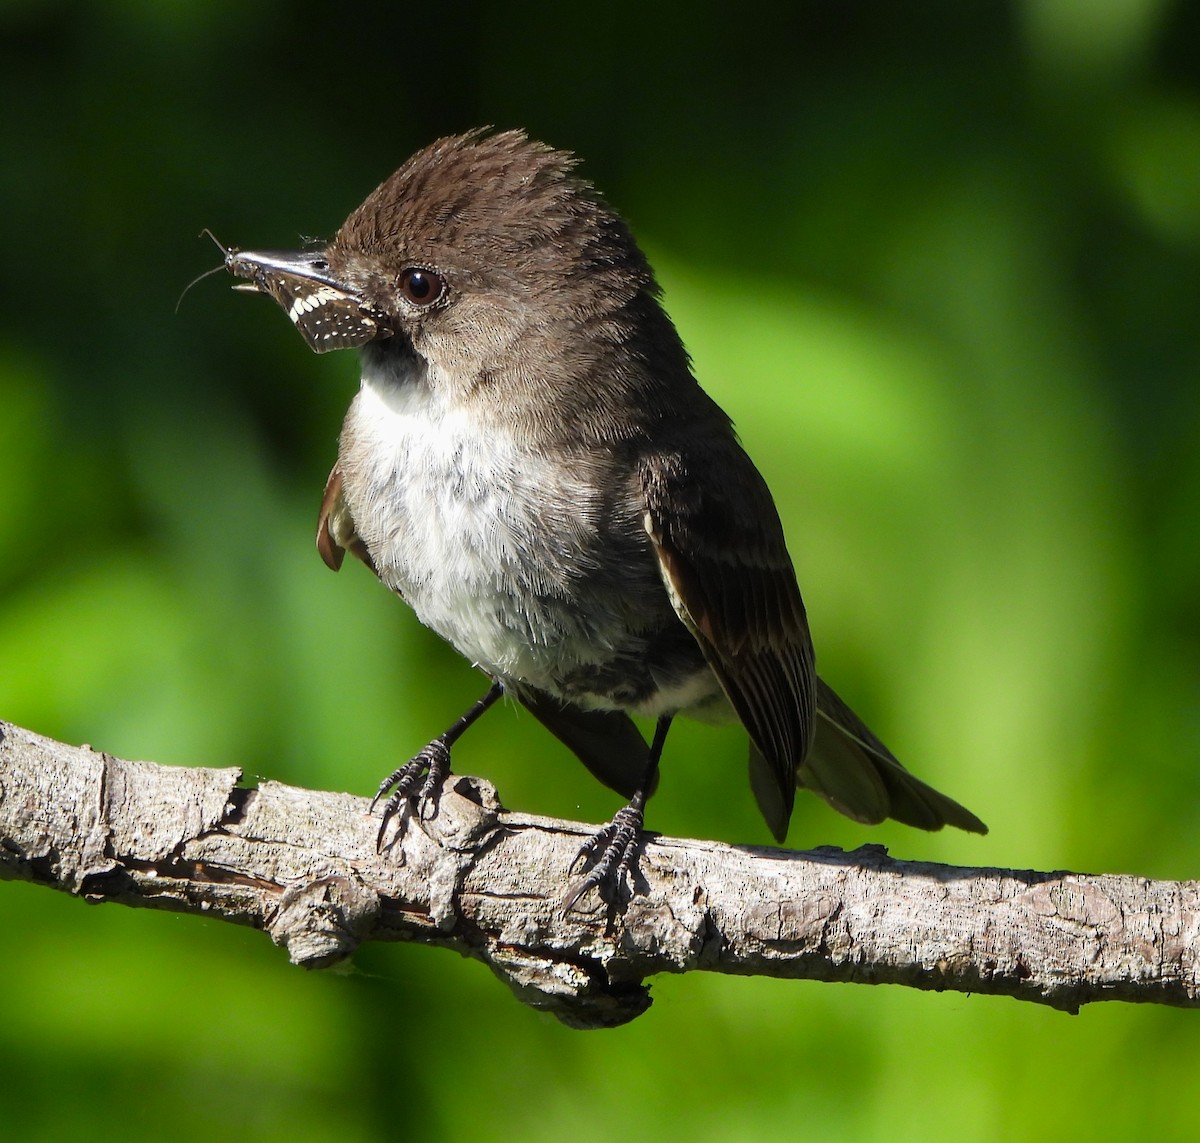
(302, 865)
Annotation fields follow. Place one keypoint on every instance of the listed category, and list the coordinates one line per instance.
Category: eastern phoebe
(531, 465)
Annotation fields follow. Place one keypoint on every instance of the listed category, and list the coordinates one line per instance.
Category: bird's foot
(418, 782)
(610, 855)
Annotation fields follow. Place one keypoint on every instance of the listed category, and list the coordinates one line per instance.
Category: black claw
(612, 850)
(418, 784)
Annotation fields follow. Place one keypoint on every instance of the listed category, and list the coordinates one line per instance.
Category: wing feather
(720, 548)
(336, 533)
(722, 555)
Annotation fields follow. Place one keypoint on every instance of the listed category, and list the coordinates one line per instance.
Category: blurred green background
(940, 261)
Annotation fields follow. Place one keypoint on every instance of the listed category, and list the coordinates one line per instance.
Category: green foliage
(941, 263)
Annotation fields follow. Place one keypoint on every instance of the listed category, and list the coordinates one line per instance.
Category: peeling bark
(302, 866)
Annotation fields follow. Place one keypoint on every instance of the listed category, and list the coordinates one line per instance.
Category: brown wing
(721, 551)
(335, 527)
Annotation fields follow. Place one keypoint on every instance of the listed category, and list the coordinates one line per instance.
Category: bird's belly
(526, 564)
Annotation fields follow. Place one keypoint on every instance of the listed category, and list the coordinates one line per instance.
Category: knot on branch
(322, 922)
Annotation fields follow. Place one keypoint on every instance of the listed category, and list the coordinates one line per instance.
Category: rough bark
(302, 865)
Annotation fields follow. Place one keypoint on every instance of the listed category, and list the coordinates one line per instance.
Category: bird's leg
(420, 779)
(610, 852)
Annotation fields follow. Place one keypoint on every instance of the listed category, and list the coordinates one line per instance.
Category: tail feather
(606, 741)
(859, 776)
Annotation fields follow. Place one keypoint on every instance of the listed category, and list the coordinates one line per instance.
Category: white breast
(478, 532)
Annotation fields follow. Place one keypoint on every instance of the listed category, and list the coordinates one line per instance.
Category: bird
(531, 464)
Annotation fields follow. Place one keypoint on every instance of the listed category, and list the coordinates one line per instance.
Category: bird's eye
(421, 287)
